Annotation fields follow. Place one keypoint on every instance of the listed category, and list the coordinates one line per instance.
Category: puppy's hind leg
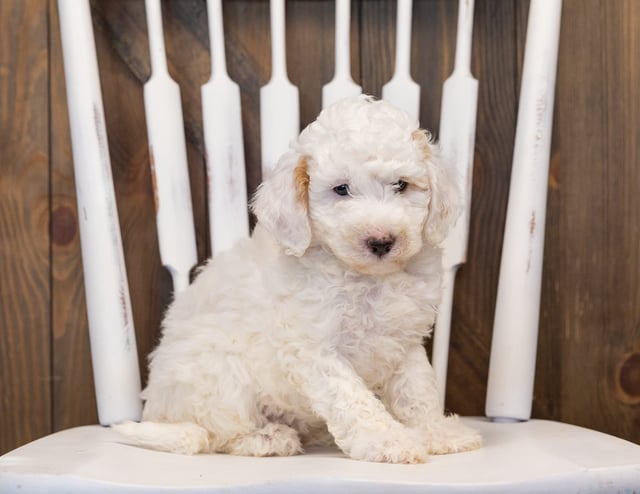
(228, 407)
(271, 440)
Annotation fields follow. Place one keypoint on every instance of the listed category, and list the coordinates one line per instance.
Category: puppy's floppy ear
(444, 207)
(281, 204)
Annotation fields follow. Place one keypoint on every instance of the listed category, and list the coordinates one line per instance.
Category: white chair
(519, 455)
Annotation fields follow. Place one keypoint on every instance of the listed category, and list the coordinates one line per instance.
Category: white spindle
(222, 118)
(515, 331)
(401, 90)
(168, 155)
(113, 342)
(457, 142)
(342, 85)
(279, 103)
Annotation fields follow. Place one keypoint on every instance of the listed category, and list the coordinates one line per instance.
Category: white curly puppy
(313, 329)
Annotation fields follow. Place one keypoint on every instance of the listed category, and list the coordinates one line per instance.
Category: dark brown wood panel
(589, 345)
(596, 273)
(310, 49)
(25, 379)
(619, 336)
(432, 55)
(377, 42)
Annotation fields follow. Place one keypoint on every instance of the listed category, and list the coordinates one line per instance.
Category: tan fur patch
(423, 141)
(301, 181)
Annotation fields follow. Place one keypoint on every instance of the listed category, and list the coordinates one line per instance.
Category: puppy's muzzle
(380, 246)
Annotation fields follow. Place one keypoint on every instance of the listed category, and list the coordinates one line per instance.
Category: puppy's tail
(184, 438)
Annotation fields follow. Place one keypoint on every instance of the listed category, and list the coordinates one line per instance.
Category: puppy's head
(364, 182)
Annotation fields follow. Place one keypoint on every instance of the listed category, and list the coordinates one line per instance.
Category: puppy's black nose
(380, 246)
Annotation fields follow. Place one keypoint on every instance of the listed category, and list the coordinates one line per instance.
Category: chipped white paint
(168, 155)
(279, 101)
(515, 330)
(342, 85)
(222, 119)
(113, 342)
(401, 90)
(457, 143)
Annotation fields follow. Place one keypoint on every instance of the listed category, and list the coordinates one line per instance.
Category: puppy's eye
(342, 189)
(400, 185)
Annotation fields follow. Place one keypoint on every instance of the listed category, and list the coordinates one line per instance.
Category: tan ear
(444, 206)
(281, 204)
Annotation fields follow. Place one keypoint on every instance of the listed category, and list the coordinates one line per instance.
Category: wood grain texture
(311, 49)
(589, 344)
(593, 261)
(377, 44)
(25, 407)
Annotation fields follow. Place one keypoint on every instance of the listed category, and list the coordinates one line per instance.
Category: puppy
(312, 331)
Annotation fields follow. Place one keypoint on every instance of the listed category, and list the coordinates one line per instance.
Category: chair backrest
(108, 302)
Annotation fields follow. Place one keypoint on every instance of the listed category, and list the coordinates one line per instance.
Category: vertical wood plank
(25, 407)
(582, 110)
(377, 42)
(432, 55)
(311, 51)
(598, 213)
(620, 354)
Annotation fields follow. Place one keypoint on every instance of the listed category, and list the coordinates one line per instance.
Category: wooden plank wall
(589, 349)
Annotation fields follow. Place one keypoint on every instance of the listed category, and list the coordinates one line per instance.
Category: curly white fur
(310, 331)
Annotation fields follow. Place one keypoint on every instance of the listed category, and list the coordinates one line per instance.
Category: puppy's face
(363, 182)
(369, 211)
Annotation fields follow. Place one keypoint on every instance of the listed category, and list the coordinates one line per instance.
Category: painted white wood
(457, 144)
(168, 156)
(222, 126)
(113, 342)
(534, 456)
(342, 85)
(279, 101)
(515, 330)
(402, 90)
(442, 332)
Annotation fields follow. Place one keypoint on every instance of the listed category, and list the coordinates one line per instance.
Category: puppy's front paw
(392, 446)
(450, 435)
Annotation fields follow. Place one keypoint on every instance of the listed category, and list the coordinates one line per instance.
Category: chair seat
(534, 456)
